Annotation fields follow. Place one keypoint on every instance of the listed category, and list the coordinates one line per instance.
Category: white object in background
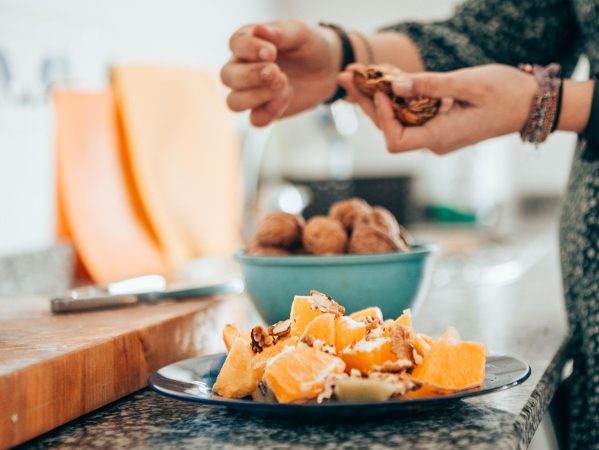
(27, 195)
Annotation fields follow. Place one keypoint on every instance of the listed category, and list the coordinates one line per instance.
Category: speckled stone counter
(524, 319)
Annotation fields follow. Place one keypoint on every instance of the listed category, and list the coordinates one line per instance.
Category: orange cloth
(98, 207)
(184, 156)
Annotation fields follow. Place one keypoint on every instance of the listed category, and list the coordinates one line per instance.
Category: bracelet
(558, 106)
(347, 57)
(591, 132)
(543, 109)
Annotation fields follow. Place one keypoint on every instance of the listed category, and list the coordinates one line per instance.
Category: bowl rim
(419, 251)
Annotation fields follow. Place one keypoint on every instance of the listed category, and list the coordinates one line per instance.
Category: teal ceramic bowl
(391, 281)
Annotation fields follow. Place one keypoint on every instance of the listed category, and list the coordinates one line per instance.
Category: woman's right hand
(281, 68)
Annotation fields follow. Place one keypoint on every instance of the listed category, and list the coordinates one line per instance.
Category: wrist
(576, 105)
(335, 52)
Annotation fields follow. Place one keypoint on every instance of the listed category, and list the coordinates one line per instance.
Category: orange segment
(348, 332)
(453, 365)
(372, 311)
(423, 343)
(405, 319)
(298, 373)
(261, 359)
(230, 333)
(366, 354)
(238, 377)
(322, 328)
(302, 313)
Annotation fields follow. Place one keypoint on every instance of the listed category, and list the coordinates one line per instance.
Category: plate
(192, 380)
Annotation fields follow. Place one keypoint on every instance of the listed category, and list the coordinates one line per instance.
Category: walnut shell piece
(324, 236)
(409, 111)
(348, 211)
(279, 229)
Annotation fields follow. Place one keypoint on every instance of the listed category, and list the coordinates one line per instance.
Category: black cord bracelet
(591, 132)
(347, 57)
(558, 106)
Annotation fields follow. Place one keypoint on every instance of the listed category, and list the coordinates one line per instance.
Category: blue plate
(192, 380)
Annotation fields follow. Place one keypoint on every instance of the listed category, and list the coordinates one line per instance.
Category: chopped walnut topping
(401, 365)
(402, 345)
(355, 373)
(417, 357)
(402, 383)
(325, 304)
(261, 339)
(280, 329)
(311, 341)
(372, 323)
(329, 387)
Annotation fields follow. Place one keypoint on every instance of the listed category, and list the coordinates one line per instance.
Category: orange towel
(184, 156)
(98, 206)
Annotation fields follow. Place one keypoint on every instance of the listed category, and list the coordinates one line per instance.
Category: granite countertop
(525, 319)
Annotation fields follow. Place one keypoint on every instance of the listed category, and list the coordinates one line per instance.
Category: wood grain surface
(56, 368)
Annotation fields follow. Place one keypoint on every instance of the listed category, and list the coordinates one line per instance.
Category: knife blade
(143, 289)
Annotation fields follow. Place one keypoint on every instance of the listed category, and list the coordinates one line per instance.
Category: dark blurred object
(47, 272)
(394, 193)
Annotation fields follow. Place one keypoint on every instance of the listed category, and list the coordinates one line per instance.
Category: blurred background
(300, 164)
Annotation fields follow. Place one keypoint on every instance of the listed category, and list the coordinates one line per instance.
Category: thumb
(434, 85)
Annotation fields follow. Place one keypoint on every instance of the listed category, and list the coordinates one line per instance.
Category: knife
(142, 289)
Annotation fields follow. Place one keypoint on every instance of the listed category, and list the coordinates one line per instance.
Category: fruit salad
(320, 354)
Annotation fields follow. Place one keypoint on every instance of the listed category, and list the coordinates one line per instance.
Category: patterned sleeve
(504, 31)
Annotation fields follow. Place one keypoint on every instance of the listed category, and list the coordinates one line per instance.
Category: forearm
(576, 105)
(392, 48)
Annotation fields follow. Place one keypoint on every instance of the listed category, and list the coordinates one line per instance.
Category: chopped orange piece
(230, 333)
(302, 313)
(238, 377)
(348, 332)
(453, 365)
(366, 354)
(372, 311)
(260, 359)
(322, 328)
(299, 373)
(405, 319)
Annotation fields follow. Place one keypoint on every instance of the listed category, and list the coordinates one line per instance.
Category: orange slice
(366, 354)
(302, 313)
(453, 365)
(423, 343)
(347, 332)
(322, 328)
(372, 311)
(230, 333)
(238, 377)
(299, 373)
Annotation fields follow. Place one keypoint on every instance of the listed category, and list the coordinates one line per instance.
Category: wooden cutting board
(54, 369)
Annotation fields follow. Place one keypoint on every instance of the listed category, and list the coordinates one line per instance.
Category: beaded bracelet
(543, 109)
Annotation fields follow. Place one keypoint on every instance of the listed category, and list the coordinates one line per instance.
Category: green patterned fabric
(543, 31)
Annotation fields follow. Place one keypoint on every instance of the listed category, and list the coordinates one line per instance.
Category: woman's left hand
(478, 103)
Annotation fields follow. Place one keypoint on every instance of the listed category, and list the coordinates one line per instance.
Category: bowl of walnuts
(357, 252)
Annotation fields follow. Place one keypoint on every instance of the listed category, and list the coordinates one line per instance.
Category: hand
(281, 68)
(478, 103)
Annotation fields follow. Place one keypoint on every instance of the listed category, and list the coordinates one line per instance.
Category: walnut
(256, 248)
(325, 304)
(311, 341)
(370, 239)
(402, 345)
(372, 323)
(409, 111)
(279, 229)
(347, 211)
(261, 339)
(280, 329)
(324, 236)
(401, 365)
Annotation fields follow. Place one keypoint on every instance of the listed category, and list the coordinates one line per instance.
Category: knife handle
(70, 304)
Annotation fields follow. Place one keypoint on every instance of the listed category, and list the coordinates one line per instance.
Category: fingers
(435, 85)
(397, 137)
(240, 100)
(272, 110)
(246, 46)
(242, 76)
(345, 79)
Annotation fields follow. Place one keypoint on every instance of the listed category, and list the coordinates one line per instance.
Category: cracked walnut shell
(279, 229)
(409, 111)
